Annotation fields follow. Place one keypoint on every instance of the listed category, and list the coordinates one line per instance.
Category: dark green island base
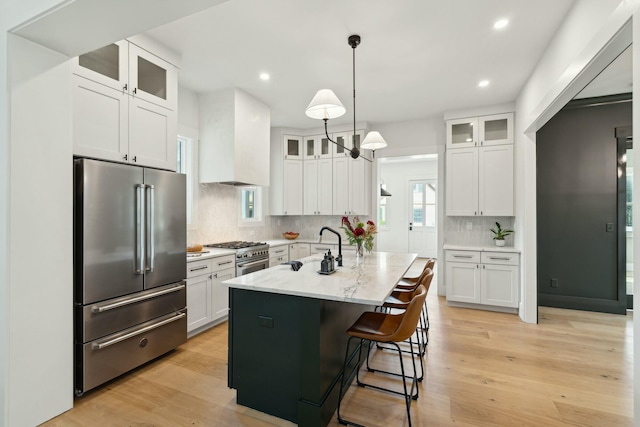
(286, 353)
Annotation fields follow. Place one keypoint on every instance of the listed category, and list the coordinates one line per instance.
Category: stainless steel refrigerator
(129, 268)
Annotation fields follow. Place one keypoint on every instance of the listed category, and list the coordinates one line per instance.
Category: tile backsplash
(218, 220)
(457, 232)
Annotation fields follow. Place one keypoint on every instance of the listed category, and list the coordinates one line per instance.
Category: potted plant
(500, 234)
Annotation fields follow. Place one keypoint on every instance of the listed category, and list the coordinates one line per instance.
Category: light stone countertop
(509, 249)
(368, 280)
(213, 253)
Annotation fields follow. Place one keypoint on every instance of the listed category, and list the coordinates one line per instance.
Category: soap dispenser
(324, 264)
(332, 261)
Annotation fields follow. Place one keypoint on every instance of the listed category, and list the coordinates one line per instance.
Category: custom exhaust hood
(234, 138)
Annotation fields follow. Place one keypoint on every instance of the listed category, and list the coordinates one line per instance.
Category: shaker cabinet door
(100, 121)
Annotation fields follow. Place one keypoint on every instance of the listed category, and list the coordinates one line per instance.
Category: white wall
(35, 192)
(188, 110)
(13, 13)
(587, 29)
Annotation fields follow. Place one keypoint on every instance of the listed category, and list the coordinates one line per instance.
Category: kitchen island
(287, 330)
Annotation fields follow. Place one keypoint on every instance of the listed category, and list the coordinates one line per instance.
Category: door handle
(140, 229)
(151, 249)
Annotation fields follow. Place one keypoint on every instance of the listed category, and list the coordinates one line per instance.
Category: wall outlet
(469, 226)
(554, 283)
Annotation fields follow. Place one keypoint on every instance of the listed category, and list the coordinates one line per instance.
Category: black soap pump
(324, 264)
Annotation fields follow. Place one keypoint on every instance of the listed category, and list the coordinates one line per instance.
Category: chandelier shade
(373, 141)
(325, 105)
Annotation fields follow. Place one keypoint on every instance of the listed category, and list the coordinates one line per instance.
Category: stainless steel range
(250, 256)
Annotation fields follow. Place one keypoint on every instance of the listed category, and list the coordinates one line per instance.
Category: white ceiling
(418, 58)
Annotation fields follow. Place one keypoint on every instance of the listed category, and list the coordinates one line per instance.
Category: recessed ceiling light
(264, 76)
(500, 24)
(483, 83)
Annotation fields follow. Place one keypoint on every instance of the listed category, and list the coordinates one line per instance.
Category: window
(186, 164)
(423, 204)
(250, 205)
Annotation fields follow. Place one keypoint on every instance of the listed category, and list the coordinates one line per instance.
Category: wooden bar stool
(374, 326)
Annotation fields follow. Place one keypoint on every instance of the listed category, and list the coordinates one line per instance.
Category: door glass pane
(105, 61)
(152, 78)
(340, 146)
(310, 148)
(418, 205)
(462, 133)
(495, 129)
(292, 147)
(324, 149)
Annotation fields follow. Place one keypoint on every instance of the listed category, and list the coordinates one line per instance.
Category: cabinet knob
(126, 156)
(135, 158)
(125, 87)
(135, 90)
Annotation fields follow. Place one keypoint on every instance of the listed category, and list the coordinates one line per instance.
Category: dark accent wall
(576, 199)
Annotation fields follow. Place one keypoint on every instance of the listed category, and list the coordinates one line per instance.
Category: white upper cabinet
(108, 66)
(462, 133)
(480, 131)
(317, 147)
(293, 147)
(495, 180)
(462, 182)
(479, 161)
(100, 121)
(293, 178)
(341, 139)
(124, 106)
(496, 129)
(151, 78)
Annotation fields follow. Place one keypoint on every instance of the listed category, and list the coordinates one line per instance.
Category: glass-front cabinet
(462, 133)
(317, 147)
(132, 70)
(107, 65)
(293, 147)
(150, 78)
(496, 129)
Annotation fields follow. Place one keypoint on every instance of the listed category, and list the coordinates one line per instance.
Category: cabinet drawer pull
(280, 251)
(226, 262)
(463, 256)
(500, 258)
(204, 267)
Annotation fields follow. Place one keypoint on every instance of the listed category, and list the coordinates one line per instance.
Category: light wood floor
(482, 369)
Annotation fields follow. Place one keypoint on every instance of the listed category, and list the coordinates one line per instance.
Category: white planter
(499, 242)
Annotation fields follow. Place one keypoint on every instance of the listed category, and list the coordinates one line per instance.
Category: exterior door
(422, 218)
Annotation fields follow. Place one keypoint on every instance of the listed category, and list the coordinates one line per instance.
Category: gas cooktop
(235, 245)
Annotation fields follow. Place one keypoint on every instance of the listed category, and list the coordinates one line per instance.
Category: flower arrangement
(360, 234)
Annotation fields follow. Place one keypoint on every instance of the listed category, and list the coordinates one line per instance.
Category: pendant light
(325, 105)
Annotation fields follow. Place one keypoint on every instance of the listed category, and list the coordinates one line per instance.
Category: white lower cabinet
(299, 250)
(483, 277)
(278, 255)
(207, 298)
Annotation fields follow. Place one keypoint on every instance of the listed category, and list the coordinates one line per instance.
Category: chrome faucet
(339, 257)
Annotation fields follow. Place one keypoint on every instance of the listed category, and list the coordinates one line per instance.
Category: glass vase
(359, 249)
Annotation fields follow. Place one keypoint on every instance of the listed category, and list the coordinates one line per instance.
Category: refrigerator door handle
(103, 344)
(151, 248)
(139, 229)
(106, 307)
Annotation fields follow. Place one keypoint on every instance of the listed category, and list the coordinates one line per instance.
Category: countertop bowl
(290, 235)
